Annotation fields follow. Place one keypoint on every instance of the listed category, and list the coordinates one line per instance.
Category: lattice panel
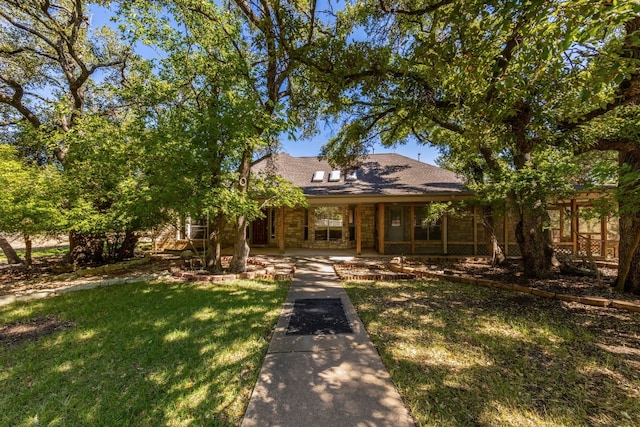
(564, 250)
(460, 249)
(595, 247)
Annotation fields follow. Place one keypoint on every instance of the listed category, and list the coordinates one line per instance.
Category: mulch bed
(368, 270)
(508, 273)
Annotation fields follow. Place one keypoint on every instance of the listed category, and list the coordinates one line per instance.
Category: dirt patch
(49, 273)
(14, 334)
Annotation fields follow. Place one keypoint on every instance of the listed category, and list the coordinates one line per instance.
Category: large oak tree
(489, 79)
(50, 59)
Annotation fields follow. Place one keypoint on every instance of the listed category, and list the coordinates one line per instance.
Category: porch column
(381, 228)
(281, 231)
(574, 226)
(603, 236)
(413, 234)
(475, 230)
(358, 229)
(505, 226)
(445, 237)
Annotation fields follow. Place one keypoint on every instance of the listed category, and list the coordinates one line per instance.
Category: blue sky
(308, 147)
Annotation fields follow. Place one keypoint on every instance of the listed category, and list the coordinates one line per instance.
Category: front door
(260, 230)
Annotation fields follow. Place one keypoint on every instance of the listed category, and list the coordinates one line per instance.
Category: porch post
(574, 225)
(381, 228)
(506, 233)
(475, 230)
(359, 229)
(281, 231)
(445, 237)
(413, 228)
(603, 234)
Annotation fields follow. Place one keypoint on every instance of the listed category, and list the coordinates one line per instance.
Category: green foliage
(202, 111)
(30, 199)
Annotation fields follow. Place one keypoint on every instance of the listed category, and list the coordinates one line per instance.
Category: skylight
(351, 176)
(334, 176)
(318, 176)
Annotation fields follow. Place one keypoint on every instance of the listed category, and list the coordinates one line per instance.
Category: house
(385, 205)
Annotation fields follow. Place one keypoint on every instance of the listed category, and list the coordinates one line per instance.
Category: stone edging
(593, 301)
(196, 276)
(44, 293)
(341, 268)
(267, 272)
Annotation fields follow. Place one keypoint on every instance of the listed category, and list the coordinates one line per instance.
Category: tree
(48, 58)
(602, 115)
(487, 79)
(30, 201)
(207, 117)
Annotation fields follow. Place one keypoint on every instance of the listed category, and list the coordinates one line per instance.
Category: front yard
(142, 354)
(466, 355)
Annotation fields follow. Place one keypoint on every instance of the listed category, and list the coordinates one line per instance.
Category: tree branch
(413, 12)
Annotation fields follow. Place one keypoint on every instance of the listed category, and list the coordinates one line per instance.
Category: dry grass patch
(463, 355)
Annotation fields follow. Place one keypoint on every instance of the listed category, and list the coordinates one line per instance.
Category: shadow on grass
(462, 355)
(162, 354)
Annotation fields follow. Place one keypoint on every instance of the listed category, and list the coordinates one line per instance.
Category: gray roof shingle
(380, 174)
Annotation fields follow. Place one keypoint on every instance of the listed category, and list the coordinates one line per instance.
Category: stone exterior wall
(294, 224)
(460, 227)
(368, 214)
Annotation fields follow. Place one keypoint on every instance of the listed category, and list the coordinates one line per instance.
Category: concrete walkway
(323, 380)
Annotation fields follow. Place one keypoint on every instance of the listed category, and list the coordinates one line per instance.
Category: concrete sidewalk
(323, 380)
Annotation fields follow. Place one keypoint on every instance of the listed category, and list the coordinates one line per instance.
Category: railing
(588, 246)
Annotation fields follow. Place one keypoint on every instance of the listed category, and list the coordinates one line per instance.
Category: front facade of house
(385, 206)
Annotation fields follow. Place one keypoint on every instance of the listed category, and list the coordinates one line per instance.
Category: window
(351, 176)
(195, 229)
(318, 176)
(334, 176)
(328, 223)
(425, 228)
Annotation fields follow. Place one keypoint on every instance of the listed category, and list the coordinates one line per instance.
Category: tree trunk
(214, 252)
(240, 246)
(534, 241)
(628, 249)
(28, 259)
(629, 231)
(9, 252)
(491, 241)
(85, 249)
(632, 282)
(127, 249)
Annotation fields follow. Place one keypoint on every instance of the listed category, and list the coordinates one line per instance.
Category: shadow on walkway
(323, 380)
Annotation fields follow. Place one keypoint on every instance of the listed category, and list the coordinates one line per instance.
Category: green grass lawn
(143, 354)
(464, 355)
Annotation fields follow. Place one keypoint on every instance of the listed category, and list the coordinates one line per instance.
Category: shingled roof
(380, 174)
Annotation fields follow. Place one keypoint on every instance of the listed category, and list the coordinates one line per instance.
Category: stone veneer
(295, 219)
